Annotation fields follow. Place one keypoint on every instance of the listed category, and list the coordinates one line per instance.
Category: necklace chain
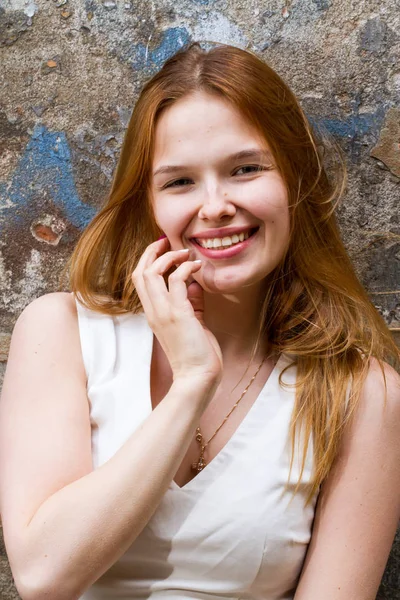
(201, 463)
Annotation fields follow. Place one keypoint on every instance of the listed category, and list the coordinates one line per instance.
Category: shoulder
(55, 305)
(380, 394)
(371, 436)
(358, 506)
(47, 327)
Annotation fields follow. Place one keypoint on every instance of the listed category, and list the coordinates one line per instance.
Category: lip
(222, 232)
(228, 252)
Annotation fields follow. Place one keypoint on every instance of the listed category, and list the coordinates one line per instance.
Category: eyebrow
(255, 153)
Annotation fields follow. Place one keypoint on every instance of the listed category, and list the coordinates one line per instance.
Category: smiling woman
(139, 469)
(212, 198)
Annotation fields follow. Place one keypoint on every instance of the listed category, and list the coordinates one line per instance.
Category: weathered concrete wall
(70, 74)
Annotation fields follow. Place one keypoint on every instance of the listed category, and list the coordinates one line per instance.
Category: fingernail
(160, 238)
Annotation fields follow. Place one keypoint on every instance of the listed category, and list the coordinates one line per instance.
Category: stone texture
(7, 588)
(5, 339)
(388, 147)
(12, 25)
(71, 72)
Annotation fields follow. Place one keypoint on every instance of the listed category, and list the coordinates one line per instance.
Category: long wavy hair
(315, 309)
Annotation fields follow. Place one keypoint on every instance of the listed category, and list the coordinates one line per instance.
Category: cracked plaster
(71, 71)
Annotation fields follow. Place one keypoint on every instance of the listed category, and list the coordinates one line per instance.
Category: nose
(216, 205)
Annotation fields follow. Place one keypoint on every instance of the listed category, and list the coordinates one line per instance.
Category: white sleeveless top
(231, 532)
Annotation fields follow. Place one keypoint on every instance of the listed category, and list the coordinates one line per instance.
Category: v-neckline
(242, 425)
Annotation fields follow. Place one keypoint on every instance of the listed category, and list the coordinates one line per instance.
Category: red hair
(315, 309)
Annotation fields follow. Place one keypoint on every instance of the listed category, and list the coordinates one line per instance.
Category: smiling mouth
(234, 240)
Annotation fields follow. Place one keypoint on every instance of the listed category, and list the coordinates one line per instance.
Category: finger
(177, 282)
(149, 255)
(195, 294)
(174, 257)
(156, 282)
(152, 252)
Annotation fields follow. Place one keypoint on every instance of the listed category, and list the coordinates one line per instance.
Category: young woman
(213, 413)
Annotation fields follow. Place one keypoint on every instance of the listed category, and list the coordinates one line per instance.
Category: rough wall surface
(70, 74)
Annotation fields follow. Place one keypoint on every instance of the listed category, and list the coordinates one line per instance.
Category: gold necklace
(201, 463)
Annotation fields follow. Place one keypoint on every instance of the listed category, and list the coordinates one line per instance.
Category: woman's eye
(181, 182)
(176, 183)
(253, 167)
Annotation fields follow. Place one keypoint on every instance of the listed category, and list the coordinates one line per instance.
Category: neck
(234, 321)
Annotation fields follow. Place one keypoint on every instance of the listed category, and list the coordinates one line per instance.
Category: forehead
(202, 122)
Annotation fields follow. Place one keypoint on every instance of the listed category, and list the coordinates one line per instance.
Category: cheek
(171, 217)
(272, 208)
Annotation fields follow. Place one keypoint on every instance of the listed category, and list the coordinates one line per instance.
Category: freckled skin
(199, 131)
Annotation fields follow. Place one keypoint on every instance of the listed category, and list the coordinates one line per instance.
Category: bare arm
(359, 503)
(65, 524)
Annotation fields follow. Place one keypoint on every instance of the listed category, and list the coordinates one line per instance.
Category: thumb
(195, 296)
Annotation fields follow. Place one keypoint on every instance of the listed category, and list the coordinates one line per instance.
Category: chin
(214, 285)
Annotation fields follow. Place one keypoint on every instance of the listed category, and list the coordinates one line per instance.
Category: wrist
(195, 384)
(193, 393)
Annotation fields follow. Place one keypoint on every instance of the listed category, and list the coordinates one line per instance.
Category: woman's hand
(175, 313)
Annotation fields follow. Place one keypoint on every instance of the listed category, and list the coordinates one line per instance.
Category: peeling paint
(322, 4)
(30, 8)
(355, 125)
(69, 86)
(44, 167)
(12, 26)
(388, 147)
(141, 58)
(48, 229)
(373, 36)
(32, 284)
(101, 151)
(217, 27)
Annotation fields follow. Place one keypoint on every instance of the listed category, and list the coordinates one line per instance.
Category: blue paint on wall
(45, 169)
(355, 125)
(322, 4)
(373, 36)
(173, 39)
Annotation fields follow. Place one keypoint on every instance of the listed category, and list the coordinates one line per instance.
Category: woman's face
(210, 186)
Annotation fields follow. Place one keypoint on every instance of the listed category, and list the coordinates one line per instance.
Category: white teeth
(224, 242)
